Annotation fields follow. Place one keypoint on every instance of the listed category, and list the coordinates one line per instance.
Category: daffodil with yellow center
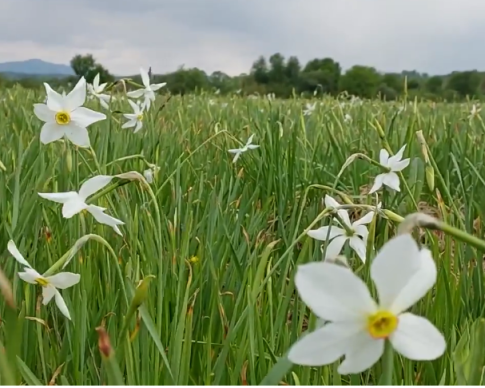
(64, 116)
(50, 284)
(356, 326)
(135, 119)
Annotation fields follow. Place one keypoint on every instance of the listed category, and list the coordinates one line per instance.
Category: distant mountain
(34, 67)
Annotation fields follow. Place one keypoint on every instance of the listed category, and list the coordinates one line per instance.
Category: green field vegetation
(223, 240)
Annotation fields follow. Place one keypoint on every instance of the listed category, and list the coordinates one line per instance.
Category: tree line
(287, 77)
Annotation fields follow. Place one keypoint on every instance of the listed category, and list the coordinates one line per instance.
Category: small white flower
(347, 118)
(475, 111)
(65, 116)
(357, 326)
(135, 119)
(309, 109)
(394, 164)
(96, 90)
(50, 284)
(150, 172)
(337, 237)
(211, 102)
(147, 92)
(238, 151)
(74, 203)
(224, 105)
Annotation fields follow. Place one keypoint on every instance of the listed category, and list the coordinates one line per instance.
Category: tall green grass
(223, 240)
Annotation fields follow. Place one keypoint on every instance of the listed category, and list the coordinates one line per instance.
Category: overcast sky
(435, 36)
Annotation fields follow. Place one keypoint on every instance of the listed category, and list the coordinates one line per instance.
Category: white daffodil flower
(65, 116)
(394, 164)
(96, 90)
(357, 326)
(238, 151)
(50, 284)
(135, 119)
(355, 233)
(347, 118)
(147, 92)
(74, 203)
(309, 109)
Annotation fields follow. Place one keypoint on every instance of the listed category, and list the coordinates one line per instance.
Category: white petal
(51, 132)
(335, 247)
(383, 157)
(103, 218)
(44, 113)
(394, 266)
(77, 135)
(144, 77)
(236, 157)
(129, 124)
(252, 146)
(321, 233)
(331, 203)
(250, 140)
(358, 246)
(30, 275)
(155, 87)
(96, 82)
(136, 93)
(60, 197)
(48, 293)
(344, 215)
(76, 96)
(361, 230)
(364, 353)
(62, 305)
(101, 87)
(92, 185)
(391, 180)
(325, 345)
(234, 151)
(12, 248)
(64, 280)
(55, 101)
(397, 157)
(139, 125)
(364, 220)
(103, 103)
(333, 292)
(399, 166)
(135, 107)
(418, 285)
(73, 207)
(84, 117)
(417, 338)
(377, 183)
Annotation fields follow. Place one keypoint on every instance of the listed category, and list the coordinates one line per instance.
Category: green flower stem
(108, 189)
(387, 364)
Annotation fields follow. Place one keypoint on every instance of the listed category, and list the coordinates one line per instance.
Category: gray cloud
(428, 35)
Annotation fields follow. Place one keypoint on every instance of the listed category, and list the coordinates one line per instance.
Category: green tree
(465, 83)
(434, 84)
(360, 81)
(259, 70)
(321, 73)
(86, 65)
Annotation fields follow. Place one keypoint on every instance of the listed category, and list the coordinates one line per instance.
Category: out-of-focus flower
(394, 164)
(135, 119)
(238, 151)
(96, 90)
(148, 92)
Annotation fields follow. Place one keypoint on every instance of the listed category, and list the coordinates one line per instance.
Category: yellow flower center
(43, 282)
(63, 118)
(381, 324)
(139, 117)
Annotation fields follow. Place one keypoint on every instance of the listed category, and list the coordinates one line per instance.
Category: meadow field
(199, 288)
